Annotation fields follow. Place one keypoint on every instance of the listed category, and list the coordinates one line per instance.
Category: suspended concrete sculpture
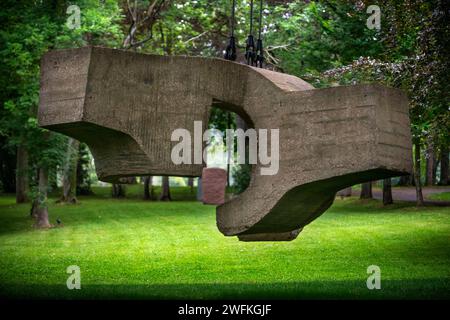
(125, 106)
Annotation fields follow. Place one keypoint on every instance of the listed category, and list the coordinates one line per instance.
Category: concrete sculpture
(125, 105)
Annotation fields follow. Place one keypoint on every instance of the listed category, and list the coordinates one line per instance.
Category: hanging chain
(253, 55)
(259, 59)
(230, 51)
(250, 54)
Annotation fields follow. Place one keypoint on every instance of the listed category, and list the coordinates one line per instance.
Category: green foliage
(30, 30)
(100, 25)
(84, 170)
(415, 60)
(309, 38)
(241, 176)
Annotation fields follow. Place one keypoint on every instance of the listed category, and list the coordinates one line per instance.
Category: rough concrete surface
(125, 106)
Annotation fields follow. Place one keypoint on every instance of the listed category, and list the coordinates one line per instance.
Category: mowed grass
(443, 196)
(133, 249)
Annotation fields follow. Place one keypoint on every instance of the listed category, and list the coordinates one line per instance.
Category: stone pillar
(214, 182)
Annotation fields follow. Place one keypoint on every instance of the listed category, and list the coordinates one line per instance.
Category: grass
(443, 196)
(132, 249)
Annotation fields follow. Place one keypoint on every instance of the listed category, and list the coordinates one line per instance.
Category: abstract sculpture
(125, 106)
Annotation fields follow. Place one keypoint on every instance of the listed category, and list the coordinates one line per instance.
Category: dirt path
(409, 194)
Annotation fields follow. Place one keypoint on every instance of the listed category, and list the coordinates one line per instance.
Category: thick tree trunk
(444, 166)
(118, 190)
(39, 208)
(8, 165)
(165, 189)
(430, 162)
(387, 192)
(148, 188)
(417, 182)
(366, 191)
(22, 186)
(70, 172)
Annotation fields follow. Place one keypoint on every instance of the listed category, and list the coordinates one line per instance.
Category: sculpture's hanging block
(125, 106)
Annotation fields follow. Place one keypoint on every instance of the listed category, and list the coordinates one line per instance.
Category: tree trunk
(228, 151)
(444, 166)
(118, 190)
(8, 165)
(165, 189)
(148, 188)
(22, 186)
(430, 161)
(83, 178)
(387, 192)
(39, 208)
(417, 182)
(405, 180)
(130, 180)
(70, 172)
(191, 184)
(366, 191)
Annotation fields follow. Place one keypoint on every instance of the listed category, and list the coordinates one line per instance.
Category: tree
(190, 183)
(148, 188)
(165, 190)
(39, 206)
(387, 192)
(366, 191)
(417, 182)
(444, 159)
(430, 176)
(118, 190)
(141, 19)
(84, 169)
(29, 29)
(415, 45)
(7, 166)
(405, 180)
(70, 172)
(46, 153)
(22, 184)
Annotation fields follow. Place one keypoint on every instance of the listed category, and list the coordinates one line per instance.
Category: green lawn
(136, 249)
(443, 196)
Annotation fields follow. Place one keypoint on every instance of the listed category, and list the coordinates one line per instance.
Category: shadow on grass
(391, 289)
